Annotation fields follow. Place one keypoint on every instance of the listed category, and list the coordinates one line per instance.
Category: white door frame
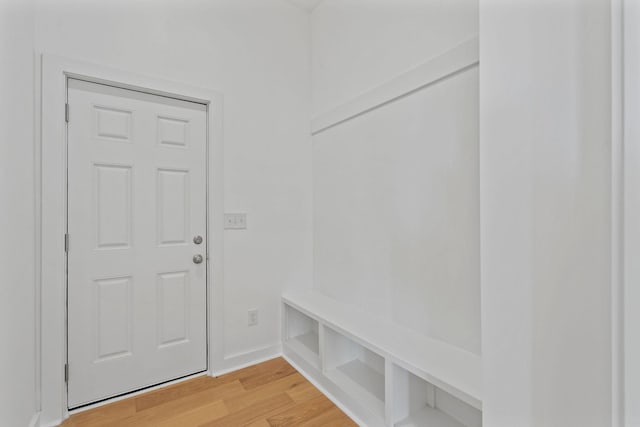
(631, 370)
(51, 209)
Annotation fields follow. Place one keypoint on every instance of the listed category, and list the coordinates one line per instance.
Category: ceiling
(306, 4)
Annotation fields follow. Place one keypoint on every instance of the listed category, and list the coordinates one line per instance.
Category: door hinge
(66, 372)
(66, 112)
(66, 243)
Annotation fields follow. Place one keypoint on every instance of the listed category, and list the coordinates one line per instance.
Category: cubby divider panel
(418, 403)
(356, 369)
(302, 335)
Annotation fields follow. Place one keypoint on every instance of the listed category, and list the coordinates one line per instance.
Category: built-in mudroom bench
(381, 374)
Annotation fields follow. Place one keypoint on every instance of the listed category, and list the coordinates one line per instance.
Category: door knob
(197, 259)
(197, 240)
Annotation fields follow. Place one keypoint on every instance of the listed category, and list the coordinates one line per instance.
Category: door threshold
(137, 392)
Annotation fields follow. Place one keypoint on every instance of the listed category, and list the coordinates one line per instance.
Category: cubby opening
(356, 369)
(302, 335)
(419, 403)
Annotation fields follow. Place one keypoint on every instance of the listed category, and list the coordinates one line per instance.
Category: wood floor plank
(333, 417)
(303, 392)
(154, 415)
(246, 374)
(280, 369)
(102, 415)
(262, 409)
(301, 413)
(252, 397)
(176, 391)
(265, 395)
(259, 423)
(197, 416)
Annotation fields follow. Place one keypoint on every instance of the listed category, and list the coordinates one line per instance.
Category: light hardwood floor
(266, 395)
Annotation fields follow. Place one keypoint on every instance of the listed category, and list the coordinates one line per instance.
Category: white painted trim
(49, 424)
(37, 159)
(35, 420)
(617, 217)
(631, 291)
(435, 69)
(52, 214)
(251, 358)
(324, 391)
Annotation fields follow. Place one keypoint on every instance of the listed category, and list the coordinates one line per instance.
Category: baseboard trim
(238, 361)
(35, 420)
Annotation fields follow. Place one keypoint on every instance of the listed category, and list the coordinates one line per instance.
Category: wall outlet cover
(253, 317)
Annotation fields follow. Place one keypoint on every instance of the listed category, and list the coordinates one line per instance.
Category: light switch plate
(235, 221)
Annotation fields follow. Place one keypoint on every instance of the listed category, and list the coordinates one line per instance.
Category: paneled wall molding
(461, 57)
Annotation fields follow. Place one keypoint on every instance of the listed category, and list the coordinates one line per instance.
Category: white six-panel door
(137, 200)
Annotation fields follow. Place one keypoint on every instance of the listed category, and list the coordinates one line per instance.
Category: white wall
(544, 164)
(396, 194)
(396, 215)
(17, 250)
(545, 209)
(358, 44)
(256, 52)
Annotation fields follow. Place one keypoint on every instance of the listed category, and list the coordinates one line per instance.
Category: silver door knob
(197, 259)
(197, 240)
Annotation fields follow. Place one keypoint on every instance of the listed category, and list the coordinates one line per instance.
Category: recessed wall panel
(173, 297)
(396, 208)
(113, 124)
(173, 206)
(113, 188)
(113, 317)
(173, 132)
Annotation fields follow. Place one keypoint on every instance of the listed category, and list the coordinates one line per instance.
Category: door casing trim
(51, 214)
